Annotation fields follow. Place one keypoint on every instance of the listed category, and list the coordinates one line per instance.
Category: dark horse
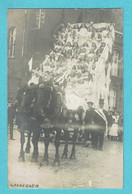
(25, 117)
(49, 101)
(73, 123)
(40, 111)
(36, 105)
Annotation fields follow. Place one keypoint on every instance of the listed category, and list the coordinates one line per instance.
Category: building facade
(17, 49)
(31, 35)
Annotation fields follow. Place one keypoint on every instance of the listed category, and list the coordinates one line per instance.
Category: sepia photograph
(65, 98)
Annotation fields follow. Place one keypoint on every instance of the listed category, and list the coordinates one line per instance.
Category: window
(12, 39)
(114, 69)
(112, 98)
(38, 18)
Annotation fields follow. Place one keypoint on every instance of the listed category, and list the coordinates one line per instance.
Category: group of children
(78, 45)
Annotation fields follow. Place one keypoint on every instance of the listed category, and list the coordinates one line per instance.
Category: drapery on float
(80, 63)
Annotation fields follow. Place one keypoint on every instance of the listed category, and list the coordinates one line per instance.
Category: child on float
(75, 48)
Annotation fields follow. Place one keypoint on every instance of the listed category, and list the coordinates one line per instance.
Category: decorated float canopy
(80, 63)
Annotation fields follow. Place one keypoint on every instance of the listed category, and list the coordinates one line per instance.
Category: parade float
(79, 65)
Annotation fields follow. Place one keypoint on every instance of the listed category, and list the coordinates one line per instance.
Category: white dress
(114, 127)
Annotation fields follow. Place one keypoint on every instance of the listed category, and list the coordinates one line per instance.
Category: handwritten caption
(24, 186)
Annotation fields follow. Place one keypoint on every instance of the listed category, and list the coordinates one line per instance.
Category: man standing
(89, 121)
(101, 120)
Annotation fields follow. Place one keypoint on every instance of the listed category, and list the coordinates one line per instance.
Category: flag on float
(30, 64)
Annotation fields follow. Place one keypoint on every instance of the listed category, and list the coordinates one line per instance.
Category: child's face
(75, 44)
(68, 56)
(68, 44)
(63, 29)
(83, 26)
(69, 28)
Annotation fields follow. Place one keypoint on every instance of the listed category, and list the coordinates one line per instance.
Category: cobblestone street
(90, 169)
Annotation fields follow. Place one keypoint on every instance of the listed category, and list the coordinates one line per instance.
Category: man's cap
(89, 102)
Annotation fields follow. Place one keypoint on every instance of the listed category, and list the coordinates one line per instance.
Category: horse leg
(22, 141)
(35, 139)
(28, 146)
(46, 143)
(73, 151)
(73, 146)
(65, 152)
(57, 145)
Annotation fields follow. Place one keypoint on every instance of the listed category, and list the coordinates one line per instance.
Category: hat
(110, 110)
(90, 102)
(101, 101)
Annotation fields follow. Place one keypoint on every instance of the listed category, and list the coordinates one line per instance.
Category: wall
(15, 65)
(39, 42)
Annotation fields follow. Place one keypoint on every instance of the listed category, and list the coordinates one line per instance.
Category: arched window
(114, 68)
(12, 39)
(112, 98)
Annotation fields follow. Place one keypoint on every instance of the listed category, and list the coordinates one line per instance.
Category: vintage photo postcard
(65, 98)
